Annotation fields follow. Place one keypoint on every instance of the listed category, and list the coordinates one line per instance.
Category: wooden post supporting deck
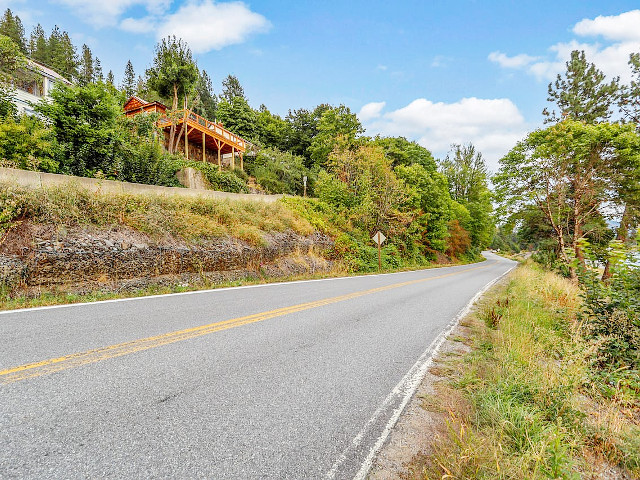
(204, 148)
(186, 142)
(233, 158)
(241, 162)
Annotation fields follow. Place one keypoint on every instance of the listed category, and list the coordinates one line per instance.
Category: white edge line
(211, 290)
(409, 384)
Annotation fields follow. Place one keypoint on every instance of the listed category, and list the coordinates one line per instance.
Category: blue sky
(434, 71)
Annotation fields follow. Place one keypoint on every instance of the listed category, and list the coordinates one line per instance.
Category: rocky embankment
(36, 257)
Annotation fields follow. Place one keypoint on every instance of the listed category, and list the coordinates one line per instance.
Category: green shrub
(611, 317)
(26, 143)
(278, 172)
(222, 180)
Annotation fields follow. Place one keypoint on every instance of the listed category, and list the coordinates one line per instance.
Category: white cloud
(492, 125)
(614, 27)
(381, 67)
(204, 24)
(517, 61)
(621, 31)
(106, 13)
(370, 111)
(209, 26)
(138, 25)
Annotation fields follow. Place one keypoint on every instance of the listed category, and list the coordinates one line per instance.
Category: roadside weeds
(510, 396)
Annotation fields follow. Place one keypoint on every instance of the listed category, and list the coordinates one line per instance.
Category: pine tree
(129, 80)
(141, 87)
(630, 97)
(70, 60)
(86, 66)
(205, 101)
(61, 54)
(110, 79)
(231, 89)
(38, 45)
(97, 71)
(582, 93)
(11, 26)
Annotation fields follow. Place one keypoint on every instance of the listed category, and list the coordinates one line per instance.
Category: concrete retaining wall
(27, 178)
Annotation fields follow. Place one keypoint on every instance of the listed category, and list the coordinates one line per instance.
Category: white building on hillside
(33, 90)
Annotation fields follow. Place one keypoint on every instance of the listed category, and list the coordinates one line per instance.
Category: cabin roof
(135, 102)
(47, 72)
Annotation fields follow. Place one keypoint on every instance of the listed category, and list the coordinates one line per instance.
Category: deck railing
(203, 124)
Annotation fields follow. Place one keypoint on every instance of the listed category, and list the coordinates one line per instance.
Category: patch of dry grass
(158, 216)
(520, 404)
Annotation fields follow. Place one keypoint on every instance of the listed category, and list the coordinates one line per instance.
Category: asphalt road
(294, 380)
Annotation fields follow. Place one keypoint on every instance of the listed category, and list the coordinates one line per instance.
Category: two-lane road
(291, 380)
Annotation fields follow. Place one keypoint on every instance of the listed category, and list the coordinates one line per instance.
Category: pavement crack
(168, 397)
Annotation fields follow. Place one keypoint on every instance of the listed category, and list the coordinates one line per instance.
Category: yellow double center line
(53, 365)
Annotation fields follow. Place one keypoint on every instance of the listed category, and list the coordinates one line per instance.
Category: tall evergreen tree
(98, 76)
(231, 89)
(129, 80)
(205, 101)
(86, 66)
(630, 97)
(61, 54)
(110, 79)
(11, 26)
(38, 45)
(582, 93)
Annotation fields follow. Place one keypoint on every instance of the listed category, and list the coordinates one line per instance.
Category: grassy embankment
(186, 220)
(525, 402)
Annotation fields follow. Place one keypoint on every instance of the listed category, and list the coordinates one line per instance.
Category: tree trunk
(184, 123)
(172, 130)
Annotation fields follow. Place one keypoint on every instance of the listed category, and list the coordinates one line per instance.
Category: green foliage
(86, 74)
(403, 152)
(630, 94)
(129, 80)
(334, 124)
(569, 171)
(174, 72)
(61, 54)
(466, 173)
(84, 122)
(232, 89)
(611, 316)
(303, 127)
(370, 188)
(225, 181)
(237, 116)
(277, 172)
(271, 130)
(11, 26)
(428, 196)
(582, 93)
(205, 102)
(12, 60)
(7, 107)
(141, 160)
(26, 144)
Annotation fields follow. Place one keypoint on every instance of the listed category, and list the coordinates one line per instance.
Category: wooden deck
(199, 131)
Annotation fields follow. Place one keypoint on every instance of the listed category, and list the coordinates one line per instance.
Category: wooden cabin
(202, 139)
